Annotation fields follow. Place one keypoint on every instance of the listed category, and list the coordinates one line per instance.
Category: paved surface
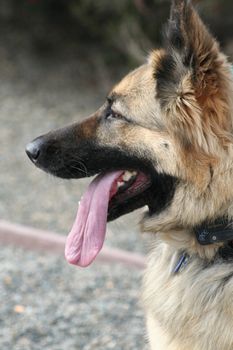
(45, 303)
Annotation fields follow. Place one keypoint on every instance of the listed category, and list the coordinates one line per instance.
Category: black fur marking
(165, 71)
(157, 198)
(174, 37)
(226, 279)
(211, 172)
(178, 26)
(226, 252)
(168, 76)
(165, 78)
(161, 192)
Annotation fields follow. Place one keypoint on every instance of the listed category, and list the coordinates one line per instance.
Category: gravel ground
(45, 303)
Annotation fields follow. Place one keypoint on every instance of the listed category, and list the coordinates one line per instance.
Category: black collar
(218, 231)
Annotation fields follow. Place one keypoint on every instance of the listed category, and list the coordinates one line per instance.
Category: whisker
(84, 171)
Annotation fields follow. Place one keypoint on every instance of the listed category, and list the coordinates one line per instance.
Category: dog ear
(192, 80)
(188, 37)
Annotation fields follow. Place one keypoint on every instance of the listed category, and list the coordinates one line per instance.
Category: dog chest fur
(190, 309)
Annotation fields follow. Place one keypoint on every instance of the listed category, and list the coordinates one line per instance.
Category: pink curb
(38, 240)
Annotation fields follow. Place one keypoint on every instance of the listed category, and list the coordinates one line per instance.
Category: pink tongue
(88, 232)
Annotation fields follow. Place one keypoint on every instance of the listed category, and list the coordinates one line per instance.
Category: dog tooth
(128, 174)
(120, 184)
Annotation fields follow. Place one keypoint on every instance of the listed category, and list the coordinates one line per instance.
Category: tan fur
(191, 310)
(189, 137)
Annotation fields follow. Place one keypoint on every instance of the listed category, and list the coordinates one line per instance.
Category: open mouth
(125, 183)
(129, 192)
(108, 196)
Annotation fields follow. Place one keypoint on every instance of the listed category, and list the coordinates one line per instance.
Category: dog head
(168, 124)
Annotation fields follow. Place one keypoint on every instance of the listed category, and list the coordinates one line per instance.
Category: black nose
(33, 150)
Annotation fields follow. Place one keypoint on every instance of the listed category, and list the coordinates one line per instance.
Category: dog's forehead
(139, 81)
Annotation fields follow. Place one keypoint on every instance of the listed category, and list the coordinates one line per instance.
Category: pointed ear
(188, 37)
(192, 79)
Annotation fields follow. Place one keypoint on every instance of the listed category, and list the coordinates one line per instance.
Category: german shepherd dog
(163, 139)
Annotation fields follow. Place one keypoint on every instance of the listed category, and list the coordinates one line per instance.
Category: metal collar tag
(181, 263)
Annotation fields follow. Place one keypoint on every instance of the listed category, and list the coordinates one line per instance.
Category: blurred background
(58, 60)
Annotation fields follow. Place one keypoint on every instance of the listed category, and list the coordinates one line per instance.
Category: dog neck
(209, 241)
(220, 231)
